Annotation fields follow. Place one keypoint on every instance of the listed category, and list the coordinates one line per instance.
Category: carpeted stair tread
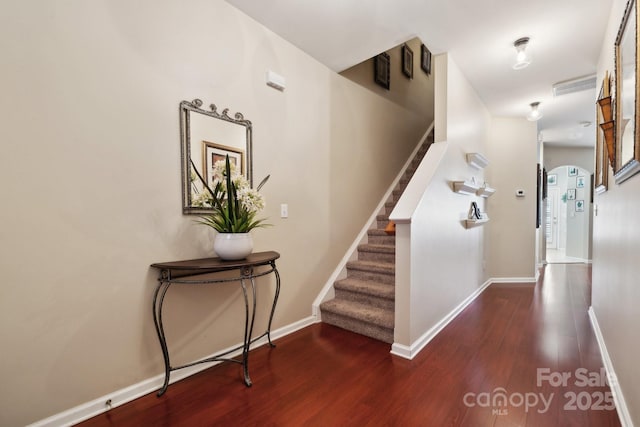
(378, 236)
(371, 247)
(373, 267)
(377, 316)
(380, 290)
(379, 253)
(397, 193)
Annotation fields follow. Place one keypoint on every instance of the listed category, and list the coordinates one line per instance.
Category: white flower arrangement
(235, 204)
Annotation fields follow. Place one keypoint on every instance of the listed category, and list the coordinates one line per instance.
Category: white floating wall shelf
(485, 191)
(465, 187)
(477, 160)
(468, 223)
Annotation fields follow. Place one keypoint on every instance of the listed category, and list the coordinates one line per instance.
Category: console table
(198, 272)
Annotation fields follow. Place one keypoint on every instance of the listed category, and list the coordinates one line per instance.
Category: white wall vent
(574, 85)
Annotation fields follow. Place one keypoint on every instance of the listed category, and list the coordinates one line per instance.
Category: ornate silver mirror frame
(205, 137)
(627, 89)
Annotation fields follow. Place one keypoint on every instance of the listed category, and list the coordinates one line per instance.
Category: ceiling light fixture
(522, 58)
(535, 113)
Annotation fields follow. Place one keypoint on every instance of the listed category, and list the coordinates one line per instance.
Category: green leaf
(229, 215)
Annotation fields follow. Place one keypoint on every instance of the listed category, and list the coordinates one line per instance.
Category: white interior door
(551, 219)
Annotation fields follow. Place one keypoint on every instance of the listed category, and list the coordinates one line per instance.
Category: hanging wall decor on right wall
(602, 170)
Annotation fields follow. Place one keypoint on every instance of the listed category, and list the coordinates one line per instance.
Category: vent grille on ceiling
(574, 85)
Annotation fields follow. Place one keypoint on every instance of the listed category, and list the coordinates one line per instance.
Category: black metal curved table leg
(275, 301)
(247, 338)
(161, 289)
(248, 325)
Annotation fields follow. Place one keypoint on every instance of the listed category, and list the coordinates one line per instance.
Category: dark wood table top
(216, 264)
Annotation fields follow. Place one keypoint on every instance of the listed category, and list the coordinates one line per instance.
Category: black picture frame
(425, 59)
(407, 61)
(382, 70)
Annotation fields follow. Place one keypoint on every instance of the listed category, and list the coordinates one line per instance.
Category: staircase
(365, 300)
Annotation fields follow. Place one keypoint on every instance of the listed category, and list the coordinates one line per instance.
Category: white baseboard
(523, 280)
(120, 397)
(612, 379)
(409, 352)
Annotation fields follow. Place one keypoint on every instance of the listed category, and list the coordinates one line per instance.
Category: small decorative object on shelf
(477, 160)
(475, 217)
(235, 206)
(485, 191)
(474, 211)
(465, 187)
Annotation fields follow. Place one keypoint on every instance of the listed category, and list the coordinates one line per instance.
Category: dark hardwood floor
(481, 370)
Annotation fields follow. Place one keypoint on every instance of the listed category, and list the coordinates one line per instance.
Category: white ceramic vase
(233, 246)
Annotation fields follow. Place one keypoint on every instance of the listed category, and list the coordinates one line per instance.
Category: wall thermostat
(520, 193)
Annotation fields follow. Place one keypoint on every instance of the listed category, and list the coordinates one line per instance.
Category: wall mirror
(627, 110)
(206, 137)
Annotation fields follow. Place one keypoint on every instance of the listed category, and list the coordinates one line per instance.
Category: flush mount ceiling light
(535, 113)
(522, 58)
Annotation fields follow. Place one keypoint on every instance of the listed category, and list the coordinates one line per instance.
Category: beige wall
(616, 245)
(415, 94)
(90, 158)
(512, 230)
(576, 156)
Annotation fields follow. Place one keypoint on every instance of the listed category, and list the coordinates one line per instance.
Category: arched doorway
(568, 215)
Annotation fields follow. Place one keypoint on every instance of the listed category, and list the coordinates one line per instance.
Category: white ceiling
(566, 38)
